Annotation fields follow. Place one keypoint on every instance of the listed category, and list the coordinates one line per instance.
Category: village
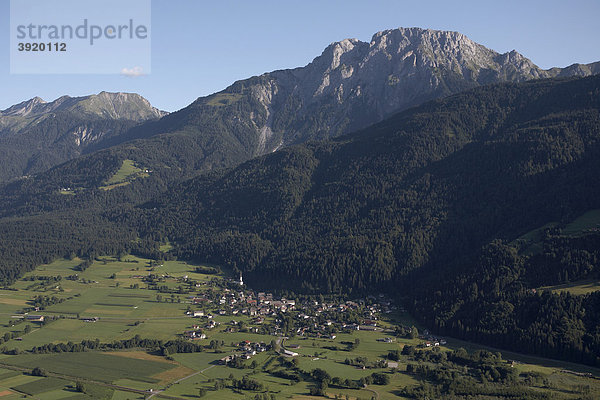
(209, 303)
(282, 318)
(217, 306)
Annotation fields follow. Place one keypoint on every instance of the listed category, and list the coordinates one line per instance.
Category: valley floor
(279, 348)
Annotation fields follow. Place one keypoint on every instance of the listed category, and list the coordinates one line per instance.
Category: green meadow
(589, 220)
(124, 175)
(531, 242)
(102, 291)
(576, 288)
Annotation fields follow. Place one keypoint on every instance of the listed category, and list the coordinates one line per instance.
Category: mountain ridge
(350, 85)
(103, 102)
(36, 135)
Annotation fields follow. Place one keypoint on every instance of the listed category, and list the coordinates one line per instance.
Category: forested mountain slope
(433, 182)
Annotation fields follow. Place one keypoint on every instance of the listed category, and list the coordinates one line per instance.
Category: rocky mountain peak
(37, 100)
(349, 86)
(129, 106)
(120, 105)
(353, 84)
(24, 108)
(347, 51)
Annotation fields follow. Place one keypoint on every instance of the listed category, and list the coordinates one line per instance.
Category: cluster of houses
(430, 340)
(234, 302)
(250, 349)
(246, 350)
(312, 318)
(325, 319)
(209, 323)
(433, 343)
(195, 333)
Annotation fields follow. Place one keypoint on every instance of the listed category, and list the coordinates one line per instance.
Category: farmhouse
(226, 360)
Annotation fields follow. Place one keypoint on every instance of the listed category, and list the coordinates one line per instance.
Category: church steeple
(241, 282)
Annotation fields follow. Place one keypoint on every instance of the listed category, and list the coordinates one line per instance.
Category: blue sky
(200, 47)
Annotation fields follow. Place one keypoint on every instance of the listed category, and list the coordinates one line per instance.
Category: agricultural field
(102, 291)
(41, 385)
(111, 300)
(98, 366)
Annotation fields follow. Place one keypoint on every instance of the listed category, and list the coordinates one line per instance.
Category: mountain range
(351, 85)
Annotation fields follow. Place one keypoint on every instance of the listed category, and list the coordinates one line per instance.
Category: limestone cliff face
(353, 84)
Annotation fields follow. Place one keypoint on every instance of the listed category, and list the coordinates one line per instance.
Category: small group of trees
(37, 371)
(83, 265)
(42, 302)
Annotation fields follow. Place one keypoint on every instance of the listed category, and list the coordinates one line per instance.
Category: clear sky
(200, 47)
